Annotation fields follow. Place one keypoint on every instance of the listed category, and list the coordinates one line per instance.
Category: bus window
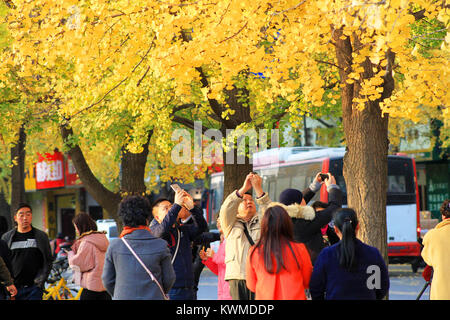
(298, 182)
(272, 189)
(341, 183)
(216, 194)
(396, 184)
(400, 180)
(299, 175)
(302, 175)
(283, 182)
(400, 176)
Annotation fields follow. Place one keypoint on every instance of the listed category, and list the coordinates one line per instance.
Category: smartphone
(323, 176)
(188, 203)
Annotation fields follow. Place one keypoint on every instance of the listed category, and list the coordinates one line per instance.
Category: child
(216, 263)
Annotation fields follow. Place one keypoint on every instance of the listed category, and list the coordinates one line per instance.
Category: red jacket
(288, 284)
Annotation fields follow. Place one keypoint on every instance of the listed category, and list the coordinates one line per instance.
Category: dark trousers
(239, 290)
(29, 293)
(94, 295)
(182, 294)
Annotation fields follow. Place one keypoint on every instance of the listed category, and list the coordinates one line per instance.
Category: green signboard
(438, 182)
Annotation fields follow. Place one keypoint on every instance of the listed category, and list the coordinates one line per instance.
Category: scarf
(127, 230)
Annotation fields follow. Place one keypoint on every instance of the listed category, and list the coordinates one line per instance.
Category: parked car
(110, 226)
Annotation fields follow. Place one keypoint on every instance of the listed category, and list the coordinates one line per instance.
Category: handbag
(146, 269)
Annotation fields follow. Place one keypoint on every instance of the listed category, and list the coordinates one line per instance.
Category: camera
(323, 176)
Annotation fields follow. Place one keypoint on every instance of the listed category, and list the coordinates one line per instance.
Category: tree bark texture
(132, 175)
(106, 198)
(366, 134)
(18, 172)
(236, 170)
(133, 170)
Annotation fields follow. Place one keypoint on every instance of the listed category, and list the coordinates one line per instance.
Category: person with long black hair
(349, 269)
(278, 268)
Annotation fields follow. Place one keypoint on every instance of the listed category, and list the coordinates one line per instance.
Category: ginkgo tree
(367, 47)
(365, 56)
(107, 128)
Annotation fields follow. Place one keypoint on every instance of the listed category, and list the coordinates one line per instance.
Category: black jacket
(43, 245)
(308, 223)
(168, 230)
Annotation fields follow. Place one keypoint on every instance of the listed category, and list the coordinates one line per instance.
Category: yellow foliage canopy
(142, 57)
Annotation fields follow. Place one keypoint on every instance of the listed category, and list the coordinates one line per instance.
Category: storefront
(56, 194)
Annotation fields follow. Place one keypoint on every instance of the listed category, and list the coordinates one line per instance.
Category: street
(405, 285)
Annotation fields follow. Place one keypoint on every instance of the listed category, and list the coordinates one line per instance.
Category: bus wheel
(416, 263)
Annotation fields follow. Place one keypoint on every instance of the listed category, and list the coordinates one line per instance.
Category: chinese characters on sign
(51, 171)
(71, 174)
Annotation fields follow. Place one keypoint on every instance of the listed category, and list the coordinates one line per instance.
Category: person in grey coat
(123, 276)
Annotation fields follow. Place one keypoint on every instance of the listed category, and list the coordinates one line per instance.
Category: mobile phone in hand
(188, 203)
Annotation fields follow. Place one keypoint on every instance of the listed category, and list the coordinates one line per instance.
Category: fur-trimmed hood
(296, 211)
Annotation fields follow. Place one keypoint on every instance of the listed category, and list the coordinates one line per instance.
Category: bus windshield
(216, 194)
(400, 179)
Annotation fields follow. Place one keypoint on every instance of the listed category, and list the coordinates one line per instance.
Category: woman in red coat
(277, 267)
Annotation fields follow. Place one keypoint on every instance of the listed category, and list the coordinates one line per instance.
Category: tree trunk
(238, 101)
(366, 134)
(234, 176)
(365, 172)
(133, 170)
(5, 214)
(18, 172)
(235, 170)
(132, 176)
(106, 198)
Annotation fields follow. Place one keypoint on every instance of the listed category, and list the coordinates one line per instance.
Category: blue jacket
(168, 230)
(123, 276)
(330, 281)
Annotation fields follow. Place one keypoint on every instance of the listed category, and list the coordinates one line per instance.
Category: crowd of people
(286, 250)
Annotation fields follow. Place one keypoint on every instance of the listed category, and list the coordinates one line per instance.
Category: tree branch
(188, 123)
(117, 85)
(106, 198)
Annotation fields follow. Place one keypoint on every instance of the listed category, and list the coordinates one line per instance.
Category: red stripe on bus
(417, 198)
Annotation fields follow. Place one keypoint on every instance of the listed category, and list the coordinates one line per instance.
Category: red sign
(49, 171)
(71, 174)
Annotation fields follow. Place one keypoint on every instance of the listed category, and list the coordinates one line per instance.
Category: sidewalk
(405, 285)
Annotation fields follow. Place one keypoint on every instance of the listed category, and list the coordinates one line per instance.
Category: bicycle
(58, 288)
(60, 291)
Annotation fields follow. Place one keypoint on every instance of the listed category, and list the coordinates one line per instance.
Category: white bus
(296, 167)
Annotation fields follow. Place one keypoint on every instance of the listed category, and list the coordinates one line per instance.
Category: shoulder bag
(247, 234)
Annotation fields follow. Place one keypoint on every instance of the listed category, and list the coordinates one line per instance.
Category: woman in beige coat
(87, 258)
(436, 253)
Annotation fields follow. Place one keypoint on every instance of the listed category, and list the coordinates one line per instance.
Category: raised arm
(229, 208)
(262, 198)
(199, 223)
(162, 227)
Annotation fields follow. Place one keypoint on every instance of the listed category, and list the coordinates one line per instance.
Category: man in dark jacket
(307, 222)
(31, 257)
(5, 255)
(167, 225)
